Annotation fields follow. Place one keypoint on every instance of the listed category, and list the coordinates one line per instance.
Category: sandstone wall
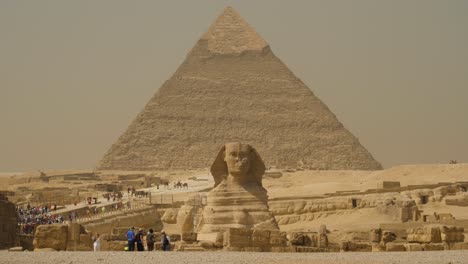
(290, 211)
(72, 237)
(144, 218)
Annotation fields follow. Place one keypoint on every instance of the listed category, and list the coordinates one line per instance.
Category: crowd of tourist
(31, 216)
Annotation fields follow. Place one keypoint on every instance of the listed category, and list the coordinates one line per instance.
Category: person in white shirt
(97, 243)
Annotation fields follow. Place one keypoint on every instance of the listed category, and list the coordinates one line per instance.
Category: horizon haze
(73, 75)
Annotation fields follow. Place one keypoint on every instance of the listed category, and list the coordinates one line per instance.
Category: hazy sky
(74, 74)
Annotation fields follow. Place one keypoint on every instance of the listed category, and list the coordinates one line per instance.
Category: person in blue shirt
(131, 239)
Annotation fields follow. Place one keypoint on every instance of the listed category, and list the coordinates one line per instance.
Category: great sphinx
(238, 198)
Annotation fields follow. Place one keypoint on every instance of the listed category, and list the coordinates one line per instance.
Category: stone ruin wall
(8, 224)
(400, 205)
(61, 237)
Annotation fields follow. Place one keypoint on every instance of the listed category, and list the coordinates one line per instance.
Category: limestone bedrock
(238, 199)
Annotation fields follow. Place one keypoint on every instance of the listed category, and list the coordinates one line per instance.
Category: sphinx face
(237, 158)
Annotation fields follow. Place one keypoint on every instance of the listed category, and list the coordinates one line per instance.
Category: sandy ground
(307, 183)
(299, 183)
(433, 257)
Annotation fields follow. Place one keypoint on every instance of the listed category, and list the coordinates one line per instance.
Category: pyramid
(232, 88)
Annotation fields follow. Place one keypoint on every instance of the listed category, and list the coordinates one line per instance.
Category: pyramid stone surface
(232, 88)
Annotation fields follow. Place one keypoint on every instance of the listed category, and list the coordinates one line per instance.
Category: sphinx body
(238, 199)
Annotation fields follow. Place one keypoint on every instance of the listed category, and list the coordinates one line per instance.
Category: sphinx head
(238, 162)
(237, 157)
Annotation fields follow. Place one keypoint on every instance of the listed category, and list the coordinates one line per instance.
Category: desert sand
(434, 257)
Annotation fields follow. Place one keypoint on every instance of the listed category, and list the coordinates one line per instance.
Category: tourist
(97, 243)
(165, 241)
(139, 240)
(150, 240)
(131, 239)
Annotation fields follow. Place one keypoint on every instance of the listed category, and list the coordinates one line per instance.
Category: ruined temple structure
(230, 88)
(238, 199)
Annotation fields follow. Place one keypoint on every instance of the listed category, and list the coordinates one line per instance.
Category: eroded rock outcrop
(51, 236)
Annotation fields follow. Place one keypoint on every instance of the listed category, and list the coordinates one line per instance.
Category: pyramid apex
(228, 8)
(231, 34)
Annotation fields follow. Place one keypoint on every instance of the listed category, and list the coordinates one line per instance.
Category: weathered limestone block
(441, 192)
(377, 247)
(313, 239)
(189, 237)
(452, 234)
(86, 240)
(457, 246)
(445, 217)
(185, 218)
(238, 237)
(278, 238)
(8, 224)
(351, 246)
(209, 245)
(391, 246)
(170, 216)
(425, 234)
(433, 247)
(409, 211)
(458, 200)
(413, 247)
(375, 235)
(189, 247)
(174, 237)
(74, 231)
(260, 238)
(78, 239)
(113, 245)
(118, 233)
(51, 236)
